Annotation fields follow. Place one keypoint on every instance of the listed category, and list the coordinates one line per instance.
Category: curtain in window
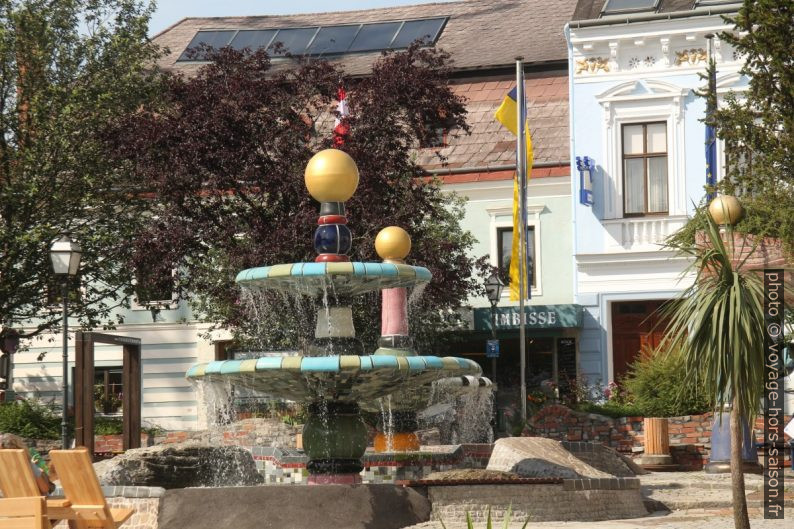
(657, 184)
(635, 186)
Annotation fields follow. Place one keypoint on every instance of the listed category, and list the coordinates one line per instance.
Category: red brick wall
(690, 435)
(113, 444)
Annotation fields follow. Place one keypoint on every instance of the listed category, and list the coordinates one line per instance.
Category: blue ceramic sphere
(333, 238)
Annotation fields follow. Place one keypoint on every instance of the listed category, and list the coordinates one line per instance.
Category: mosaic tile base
(282, 466)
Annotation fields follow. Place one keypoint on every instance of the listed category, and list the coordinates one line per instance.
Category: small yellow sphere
(726, 209)
(393, 243)
(331, 176)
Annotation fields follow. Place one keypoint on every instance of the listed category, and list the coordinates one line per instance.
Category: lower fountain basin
(346, 378)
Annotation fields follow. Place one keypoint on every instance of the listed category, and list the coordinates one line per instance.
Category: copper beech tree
(223, 158)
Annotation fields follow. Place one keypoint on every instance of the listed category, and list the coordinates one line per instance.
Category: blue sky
(171, 11)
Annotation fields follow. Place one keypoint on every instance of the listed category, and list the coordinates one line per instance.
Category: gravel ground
(659, 521)
(696, 491)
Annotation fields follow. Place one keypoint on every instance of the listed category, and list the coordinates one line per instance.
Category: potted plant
(105, 403)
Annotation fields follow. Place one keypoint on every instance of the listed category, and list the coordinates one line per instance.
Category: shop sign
(537, 317)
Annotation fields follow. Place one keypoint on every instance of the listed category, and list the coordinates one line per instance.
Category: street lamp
(493, 287)
(65, 255)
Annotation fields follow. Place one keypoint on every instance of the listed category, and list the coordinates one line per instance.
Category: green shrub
(654, 387)
(107, 425)
(31, 419)
(610, 409)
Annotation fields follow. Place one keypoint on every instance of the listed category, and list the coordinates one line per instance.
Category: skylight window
(320, 40)
(375, 36)
(295, 40)
(333, 39)
(615, 7)
(253, 39)
(213, 39)
(424, 30)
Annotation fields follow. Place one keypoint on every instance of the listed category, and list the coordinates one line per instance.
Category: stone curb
(124, 492)
(601, 484)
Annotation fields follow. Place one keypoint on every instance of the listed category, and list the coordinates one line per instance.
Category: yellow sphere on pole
(726, 210)
(393, 243)
(331, 176)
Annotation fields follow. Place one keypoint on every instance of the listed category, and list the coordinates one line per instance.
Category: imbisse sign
(537, 317)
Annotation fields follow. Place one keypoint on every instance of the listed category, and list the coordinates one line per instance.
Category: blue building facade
(636, 113)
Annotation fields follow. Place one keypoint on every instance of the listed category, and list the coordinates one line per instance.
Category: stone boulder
(538, 457)
(188, 464)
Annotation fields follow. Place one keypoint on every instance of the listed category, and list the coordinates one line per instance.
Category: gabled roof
(480, 34)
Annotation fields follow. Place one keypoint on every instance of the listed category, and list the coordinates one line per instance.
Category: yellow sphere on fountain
(393, 244)
(331, 176)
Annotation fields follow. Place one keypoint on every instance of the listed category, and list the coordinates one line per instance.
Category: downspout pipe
(572, 156)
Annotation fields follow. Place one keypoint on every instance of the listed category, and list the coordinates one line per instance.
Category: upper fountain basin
(342, 278)
(349, 378)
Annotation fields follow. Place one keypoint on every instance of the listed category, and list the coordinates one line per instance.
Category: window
(375, 36)
(209, 39)
(108, 389)
(614, 7)
(644, 169)
(154, 290)
(504, 242)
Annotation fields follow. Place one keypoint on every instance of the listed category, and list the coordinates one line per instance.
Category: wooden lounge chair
(81, 487)
(24, 513)
(17, 481)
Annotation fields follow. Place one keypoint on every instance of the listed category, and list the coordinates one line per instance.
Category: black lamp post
(493, 286)
(65, 255)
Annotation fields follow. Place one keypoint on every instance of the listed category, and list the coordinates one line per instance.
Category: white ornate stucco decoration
(592, 65)
(691, 56)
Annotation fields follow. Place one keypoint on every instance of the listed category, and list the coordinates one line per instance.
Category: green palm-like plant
(718, 324)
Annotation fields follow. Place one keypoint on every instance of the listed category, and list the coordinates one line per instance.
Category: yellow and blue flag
(507, 115)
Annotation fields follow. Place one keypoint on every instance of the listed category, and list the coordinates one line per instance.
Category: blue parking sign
(492, 349)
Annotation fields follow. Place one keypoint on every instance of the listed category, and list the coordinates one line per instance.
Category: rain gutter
(491, 168)
(642, 17)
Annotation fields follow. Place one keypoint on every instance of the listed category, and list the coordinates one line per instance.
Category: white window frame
(502, 217)
(634, 103)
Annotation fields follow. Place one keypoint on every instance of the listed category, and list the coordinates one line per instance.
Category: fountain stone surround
(335, 436)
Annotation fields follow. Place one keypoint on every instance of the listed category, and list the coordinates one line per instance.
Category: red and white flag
(341, 126)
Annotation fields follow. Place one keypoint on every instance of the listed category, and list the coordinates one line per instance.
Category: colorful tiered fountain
(335, 376)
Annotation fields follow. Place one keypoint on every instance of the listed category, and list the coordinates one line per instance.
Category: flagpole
(711, 140)
(521, 168)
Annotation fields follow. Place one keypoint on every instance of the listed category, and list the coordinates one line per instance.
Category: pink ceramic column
(394, 314)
